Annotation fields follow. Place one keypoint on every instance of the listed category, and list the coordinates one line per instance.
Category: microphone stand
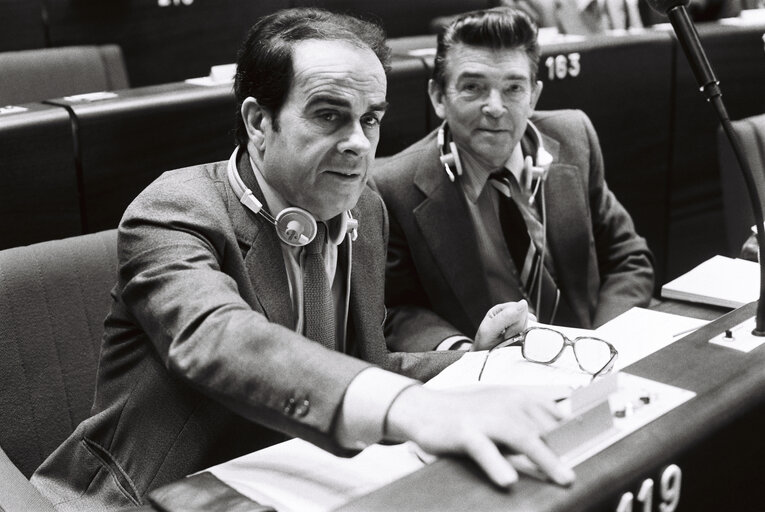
(710, 87)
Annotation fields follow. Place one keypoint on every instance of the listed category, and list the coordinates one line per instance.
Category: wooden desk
(715, 439)
(38, 180)
(125, 143)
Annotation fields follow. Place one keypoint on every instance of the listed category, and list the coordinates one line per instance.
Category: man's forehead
(337, 69)
(465, 60)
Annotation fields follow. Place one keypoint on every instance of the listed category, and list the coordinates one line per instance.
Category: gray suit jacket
(199, 363)
(434, 271)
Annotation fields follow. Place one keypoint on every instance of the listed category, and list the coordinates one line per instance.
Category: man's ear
(437, 99)
(257, 120)
(536, 93)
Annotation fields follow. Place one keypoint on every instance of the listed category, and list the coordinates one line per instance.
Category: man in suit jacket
(448, 261)
(206, 354)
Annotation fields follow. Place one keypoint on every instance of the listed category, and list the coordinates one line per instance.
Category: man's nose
(494, 105)
(355, 142)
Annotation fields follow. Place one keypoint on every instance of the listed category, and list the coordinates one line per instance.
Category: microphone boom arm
(710, 87)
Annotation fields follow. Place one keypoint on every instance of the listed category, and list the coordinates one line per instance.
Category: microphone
(689, 40)
(710, 87)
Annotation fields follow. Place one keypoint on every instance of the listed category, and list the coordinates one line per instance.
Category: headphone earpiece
(294, 226)
(450, 159)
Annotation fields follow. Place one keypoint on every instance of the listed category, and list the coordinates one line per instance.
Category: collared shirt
(483, 208)
(371, 393)
(294, 258)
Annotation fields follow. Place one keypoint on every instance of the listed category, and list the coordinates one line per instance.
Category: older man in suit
(500, 205)
(231, 328)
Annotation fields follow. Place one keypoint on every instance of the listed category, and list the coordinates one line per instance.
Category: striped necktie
(542, 296)
(318, 306)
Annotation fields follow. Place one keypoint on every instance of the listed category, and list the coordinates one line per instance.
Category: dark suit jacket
(199, 363)
(602, 266)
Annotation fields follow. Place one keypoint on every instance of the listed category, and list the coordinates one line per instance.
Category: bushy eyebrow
(468, 75)
(342, 103)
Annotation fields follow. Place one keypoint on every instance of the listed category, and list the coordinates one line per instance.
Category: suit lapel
(366, 289)
(454, 248)
(264, 261)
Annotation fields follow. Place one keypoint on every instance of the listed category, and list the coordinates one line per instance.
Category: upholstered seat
(54, 297)
(44, 73)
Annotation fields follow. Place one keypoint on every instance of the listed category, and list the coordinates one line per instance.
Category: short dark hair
(495, 29)
(264, 66)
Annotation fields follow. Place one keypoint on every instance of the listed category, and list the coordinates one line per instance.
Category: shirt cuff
(455, 343)
(365, 405)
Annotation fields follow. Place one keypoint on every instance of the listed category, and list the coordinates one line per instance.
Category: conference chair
(737, 209)
(36, 75)
(163, 40)
(54, 297)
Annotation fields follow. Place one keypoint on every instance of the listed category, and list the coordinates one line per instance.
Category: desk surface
(730, 386)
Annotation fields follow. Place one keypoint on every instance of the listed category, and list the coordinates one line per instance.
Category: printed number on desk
(563, 66)
(669, 493)
(172, 3)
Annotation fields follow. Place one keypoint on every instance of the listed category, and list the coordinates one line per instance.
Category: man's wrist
(366, 404)
(455, 343)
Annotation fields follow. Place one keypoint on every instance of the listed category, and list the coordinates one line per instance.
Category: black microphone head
(663, 6)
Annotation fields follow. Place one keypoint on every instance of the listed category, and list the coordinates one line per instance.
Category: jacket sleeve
(410, 325)
(177, 256)
(625, 263)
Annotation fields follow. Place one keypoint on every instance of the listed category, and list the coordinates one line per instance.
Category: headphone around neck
(538, 167)
(294, 226)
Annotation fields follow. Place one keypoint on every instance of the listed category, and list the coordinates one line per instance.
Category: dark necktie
(543, 301)
(318, 306)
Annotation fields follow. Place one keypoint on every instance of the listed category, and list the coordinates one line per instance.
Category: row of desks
(713, 442)
(72, 166)
(171, 40)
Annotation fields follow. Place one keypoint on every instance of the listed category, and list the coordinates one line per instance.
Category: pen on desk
(686, 331)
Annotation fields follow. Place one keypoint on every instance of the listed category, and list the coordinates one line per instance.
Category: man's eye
(329, 116)
(370, 120)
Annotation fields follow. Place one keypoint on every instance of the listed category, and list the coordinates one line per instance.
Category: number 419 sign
(669, 493)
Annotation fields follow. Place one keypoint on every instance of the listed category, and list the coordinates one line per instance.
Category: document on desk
(635, 334)
(296, 476)
(720, 281)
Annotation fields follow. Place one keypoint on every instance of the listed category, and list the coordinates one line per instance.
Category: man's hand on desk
(501, 322)
(476, 422)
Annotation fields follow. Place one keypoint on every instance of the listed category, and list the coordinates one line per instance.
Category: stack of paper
(719, 281)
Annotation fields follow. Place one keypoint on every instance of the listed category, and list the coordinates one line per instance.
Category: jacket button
(303, 408)
(289, 406)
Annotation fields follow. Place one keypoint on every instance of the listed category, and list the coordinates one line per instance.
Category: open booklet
(297, 476)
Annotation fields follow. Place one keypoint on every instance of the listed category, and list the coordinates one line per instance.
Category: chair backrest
(163, 40)
(40, 74)
(737, 208)
(54, 297)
